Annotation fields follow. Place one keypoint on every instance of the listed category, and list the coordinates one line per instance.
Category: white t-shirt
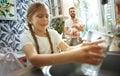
(43, 42)
(44, 45)
(69, 23)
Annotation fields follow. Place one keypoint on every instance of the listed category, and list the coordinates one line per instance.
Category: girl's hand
(92, 54)
(92, 43)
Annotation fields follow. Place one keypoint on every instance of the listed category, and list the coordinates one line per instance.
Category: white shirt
(43, 42)
(69, 23)
(44, 45)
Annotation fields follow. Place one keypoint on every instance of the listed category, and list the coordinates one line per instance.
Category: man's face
(72, 13)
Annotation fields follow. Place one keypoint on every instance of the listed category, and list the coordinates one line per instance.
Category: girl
(44, 46)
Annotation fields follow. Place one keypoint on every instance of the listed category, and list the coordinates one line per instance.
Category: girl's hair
(34, 7)
(31, 10)
(117, 1)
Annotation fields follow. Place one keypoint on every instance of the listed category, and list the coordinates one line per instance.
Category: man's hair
(71, 8)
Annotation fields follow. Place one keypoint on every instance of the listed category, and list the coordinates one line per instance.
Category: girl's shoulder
(27, 32)
(52, 31)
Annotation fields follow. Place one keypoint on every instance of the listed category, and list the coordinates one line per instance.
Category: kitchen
(98, 15)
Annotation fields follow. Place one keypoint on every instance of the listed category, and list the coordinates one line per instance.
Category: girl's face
(40, 19)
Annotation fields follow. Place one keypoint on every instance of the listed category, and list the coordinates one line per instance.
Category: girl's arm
(91, 54)
(46, 59)
(65, 47)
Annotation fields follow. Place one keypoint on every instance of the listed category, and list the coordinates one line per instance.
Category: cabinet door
(55, 7)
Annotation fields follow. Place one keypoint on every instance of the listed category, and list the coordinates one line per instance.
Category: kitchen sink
(109, 67)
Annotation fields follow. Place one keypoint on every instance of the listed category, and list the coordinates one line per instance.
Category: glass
(92, 70)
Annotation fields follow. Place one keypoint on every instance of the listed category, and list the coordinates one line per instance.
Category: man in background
(69, 24)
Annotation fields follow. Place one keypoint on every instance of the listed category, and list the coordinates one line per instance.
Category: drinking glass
(93, 70)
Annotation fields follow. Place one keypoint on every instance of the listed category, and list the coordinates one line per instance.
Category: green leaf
(7, 10)
(11, 15)
(2, 13)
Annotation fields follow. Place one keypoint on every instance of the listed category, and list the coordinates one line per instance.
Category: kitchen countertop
(28, 71)
(110, 67)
